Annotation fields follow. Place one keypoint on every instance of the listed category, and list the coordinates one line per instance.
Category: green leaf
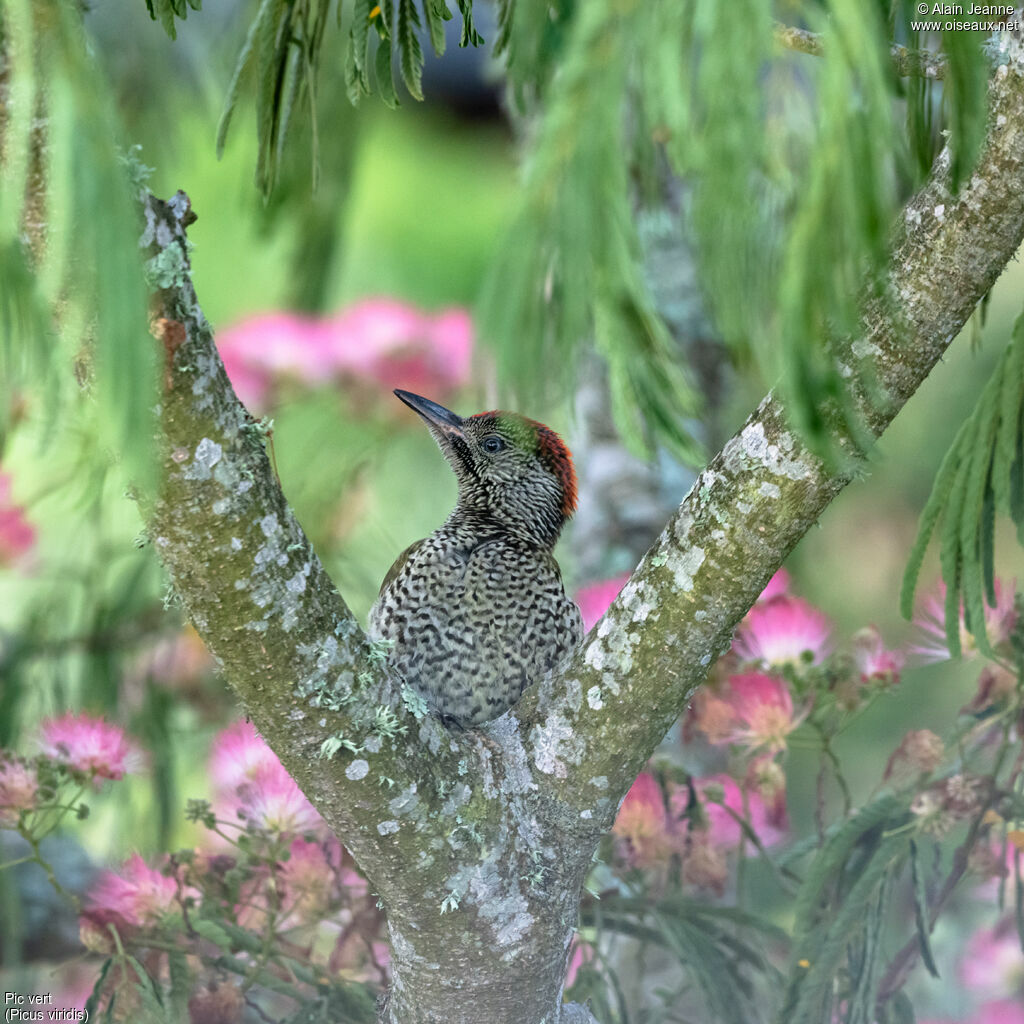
(470, 36)
(213, 932)
(887, 810)
(272, 55)
(181, 984)
(1011, 402)
(921, 916)
(409, 50)
(436, 13)
(359, 41)
(385, 81)
(971, 524)
(165, 11)
(823, 949)
(97, 990)
(929, 520)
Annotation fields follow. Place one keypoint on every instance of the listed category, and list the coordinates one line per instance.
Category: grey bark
(478, 842)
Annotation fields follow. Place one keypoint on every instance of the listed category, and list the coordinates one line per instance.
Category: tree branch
(590, 730)
(257, 593)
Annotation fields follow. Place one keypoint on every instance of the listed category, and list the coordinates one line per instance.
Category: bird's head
(510, 469)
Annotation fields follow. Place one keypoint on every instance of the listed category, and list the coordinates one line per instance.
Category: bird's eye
(492, 444)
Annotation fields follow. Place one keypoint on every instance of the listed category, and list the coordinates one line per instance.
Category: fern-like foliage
(982, 476)
(795, 167)
(69, 230)
(283, 49)
(572, 262)
(839, 916)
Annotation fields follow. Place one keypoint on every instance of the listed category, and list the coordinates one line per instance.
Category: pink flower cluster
(90, 745)
(251, 784)
(314, 875)
(751, 706)
(17, 535)
(761, 692)
(382, 341)
(701, 823)
(18, 789)
(133, 898)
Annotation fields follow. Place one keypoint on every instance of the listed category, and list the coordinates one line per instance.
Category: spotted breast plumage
(476, 612)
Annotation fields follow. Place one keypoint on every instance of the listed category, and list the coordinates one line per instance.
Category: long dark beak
(436, 415)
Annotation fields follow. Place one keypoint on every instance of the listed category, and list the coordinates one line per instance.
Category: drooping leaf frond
(981, 476)
(838, 932)
(965, 95)
(283, 49)
(572, 262)
(69, 230)
(793, 166)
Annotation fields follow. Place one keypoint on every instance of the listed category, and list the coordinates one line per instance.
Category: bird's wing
(400, 563)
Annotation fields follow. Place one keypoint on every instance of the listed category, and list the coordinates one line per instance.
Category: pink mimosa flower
(993, 964)
(763, 713)
(137, 896)
(395, 344)
(931, 620)
(237, 755)
(251, 783)
(777, 586)
(873, 660)
(643, 823)
(595, 598)
(271, 800)
(18, 788)
(17, 535)
(90, 745)
(257, 351)
(783, 631)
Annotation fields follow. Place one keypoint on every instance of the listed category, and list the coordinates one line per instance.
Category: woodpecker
(476, 612)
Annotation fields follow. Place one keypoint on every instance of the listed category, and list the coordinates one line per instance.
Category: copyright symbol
(922, 8)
